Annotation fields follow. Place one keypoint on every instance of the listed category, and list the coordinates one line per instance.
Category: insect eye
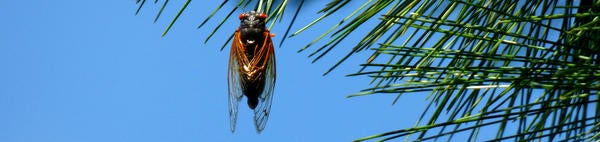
(262, 16)
(242, 16)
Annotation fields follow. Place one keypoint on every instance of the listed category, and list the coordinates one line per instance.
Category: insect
(251, 69)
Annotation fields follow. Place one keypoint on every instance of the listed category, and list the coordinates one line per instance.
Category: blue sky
(92, 71)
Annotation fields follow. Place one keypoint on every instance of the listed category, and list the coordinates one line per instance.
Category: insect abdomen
(252, 88)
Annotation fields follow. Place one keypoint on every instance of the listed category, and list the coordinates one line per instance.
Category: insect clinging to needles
(251, 70)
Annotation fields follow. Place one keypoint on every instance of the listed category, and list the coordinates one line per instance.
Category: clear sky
(92, 71)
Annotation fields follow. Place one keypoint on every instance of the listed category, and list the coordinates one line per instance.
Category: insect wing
(233, 80)
(262, 110)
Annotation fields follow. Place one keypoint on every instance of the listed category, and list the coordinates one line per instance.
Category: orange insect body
(251, 69)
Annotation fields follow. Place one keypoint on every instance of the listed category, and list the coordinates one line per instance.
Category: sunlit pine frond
(526, 68)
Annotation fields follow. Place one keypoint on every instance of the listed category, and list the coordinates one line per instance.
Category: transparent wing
(233, 81)
(261, 112)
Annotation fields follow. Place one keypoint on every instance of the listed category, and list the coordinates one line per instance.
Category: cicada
(251, 69)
